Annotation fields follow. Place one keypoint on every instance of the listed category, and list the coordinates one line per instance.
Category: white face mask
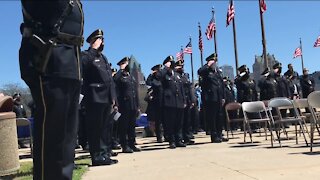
(266, 75)
(242, 74)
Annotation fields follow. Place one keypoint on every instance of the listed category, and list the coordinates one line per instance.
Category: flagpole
(302, 64)
(266, 63)
(214, 32)
(191, 64)
(235, 42)
(201, 53)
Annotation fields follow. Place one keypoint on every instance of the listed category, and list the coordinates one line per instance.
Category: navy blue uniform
(307, 85)
(173, 104)
(128, 107)
(56, 90)
(155, 104)
(212, 96)
(99, 95)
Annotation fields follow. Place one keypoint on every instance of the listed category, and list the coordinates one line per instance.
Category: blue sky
(152, 30)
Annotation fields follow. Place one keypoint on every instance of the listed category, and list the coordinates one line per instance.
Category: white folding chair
(282, 103)
(259, 108)
(314, 102)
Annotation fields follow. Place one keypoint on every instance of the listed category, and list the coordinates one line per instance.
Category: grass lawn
(25, 171)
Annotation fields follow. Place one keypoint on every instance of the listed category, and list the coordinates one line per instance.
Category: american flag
(230, 13)
(179, 55)
(263, 6)
(317, 43)
(188, 49)
(211, 28)
(200, 40)
(297, 52)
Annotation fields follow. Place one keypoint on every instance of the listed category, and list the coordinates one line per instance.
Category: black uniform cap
(179, 63)
(242, 68)
(169, 58)
(156, 67)
(114, 70)
(213, 56)
(267, 70)
(122, 61)
(96, 34)
(277, 65)
(226, 78)
(305, 69)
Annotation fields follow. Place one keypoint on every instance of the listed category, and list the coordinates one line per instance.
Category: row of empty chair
(275, 115)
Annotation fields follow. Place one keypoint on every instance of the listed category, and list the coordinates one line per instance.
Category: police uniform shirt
(64, 61)
(97, 79)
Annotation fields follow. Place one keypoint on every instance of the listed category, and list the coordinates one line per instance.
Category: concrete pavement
(205, 160)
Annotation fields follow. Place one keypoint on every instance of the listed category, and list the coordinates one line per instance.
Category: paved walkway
(230, 160)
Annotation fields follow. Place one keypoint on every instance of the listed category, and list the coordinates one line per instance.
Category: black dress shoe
(127, 150)
(113, 153)
(190, 142)
(135, 149)
(159, 140)
(116, 147)
(172, 145)
(223, 139)
(180, 144)
(216, 140)
(104, 161)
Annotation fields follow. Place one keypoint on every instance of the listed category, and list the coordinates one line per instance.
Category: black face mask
(127, 68)
(179, 70)
(100, 49)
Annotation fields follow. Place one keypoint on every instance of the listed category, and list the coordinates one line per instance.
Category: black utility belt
(62, 38)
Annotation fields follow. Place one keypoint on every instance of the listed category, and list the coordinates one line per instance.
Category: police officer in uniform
(173, 103)
(246, 86)
(155, 104)
(282, 83)
(128, 100)
(307, 83)
(99, 98)
(49, 64)
(290, 71)
(268, 87)
(190, 102)
(213, 97)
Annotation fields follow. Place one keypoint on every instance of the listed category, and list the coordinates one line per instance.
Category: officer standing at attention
(155, 103)
(99, 98)
(213, 97)
(49, 64)
(173, 103)
(128, 106)
(187, 134)
(307, 83)
(282, 83)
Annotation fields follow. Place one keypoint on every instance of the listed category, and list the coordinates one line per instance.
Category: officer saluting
(128, 106)
(268, 87)
(49, 64)
(155, 103)
(213, 92)
(99, 97)
(173, 103)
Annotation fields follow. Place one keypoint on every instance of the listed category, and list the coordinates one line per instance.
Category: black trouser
(82, 132)
(127, 123)
(173, 120)
(186, 130)
(98, 121)
(55, 126)
(194, 118)
(213, 118)
(158, 121)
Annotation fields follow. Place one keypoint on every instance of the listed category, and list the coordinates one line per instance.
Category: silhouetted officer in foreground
(49, 64)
